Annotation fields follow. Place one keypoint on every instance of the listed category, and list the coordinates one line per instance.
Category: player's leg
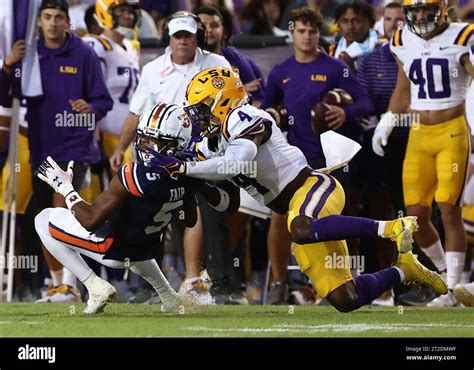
(327, 264)
(419, 180)
(279, 249)
(452, 166)
(194, 286)
(100, 291)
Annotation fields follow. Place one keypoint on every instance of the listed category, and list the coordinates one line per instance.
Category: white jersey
(438, 80)
(121, 74)
(277, 163)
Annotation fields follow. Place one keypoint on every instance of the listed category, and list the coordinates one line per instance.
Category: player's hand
(61, 181)
(80, 106)
(335, 117)
(116, 160)
(382, 133)
(17, 53)
(169, 166)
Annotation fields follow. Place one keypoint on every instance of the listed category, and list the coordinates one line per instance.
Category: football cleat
(197, 291)
(401, 231)
(61, 294)
(100, 293)
(417, 274)
(464, 293)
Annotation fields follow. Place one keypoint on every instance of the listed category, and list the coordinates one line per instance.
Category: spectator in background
(299, 83)
(355, 20)
(262, 17)
(378, 75)
(217, 38)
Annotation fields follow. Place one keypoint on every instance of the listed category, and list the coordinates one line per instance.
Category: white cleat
(464, 293)
(197, 291)
(100, 293)
(447, 300)
(61, 294)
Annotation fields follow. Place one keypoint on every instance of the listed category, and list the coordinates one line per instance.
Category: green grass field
(125, 320)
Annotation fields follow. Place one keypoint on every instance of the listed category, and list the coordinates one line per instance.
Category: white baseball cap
(182, 24)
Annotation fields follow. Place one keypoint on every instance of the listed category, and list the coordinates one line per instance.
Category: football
(337, 97)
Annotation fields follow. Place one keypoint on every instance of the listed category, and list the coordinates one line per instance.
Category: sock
(69, 278)
(57, 276)
(455, 265)
(150, 271)
(435, 253)
(466, 277)
(371, 286)
(88, 281)
(337, 227)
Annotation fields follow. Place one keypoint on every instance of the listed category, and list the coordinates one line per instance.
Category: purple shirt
(299, 86)
(70, 72)
(241, 64)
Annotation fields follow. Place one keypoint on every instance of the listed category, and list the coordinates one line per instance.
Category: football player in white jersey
(119, 58)
(244, 145)
(434, 74)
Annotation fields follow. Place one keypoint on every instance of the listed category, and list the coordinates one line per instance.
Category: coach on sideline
(164, 80)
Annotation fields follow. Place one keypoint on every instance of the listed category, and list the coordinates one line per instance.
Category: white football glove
(382, 132)
(59, 180)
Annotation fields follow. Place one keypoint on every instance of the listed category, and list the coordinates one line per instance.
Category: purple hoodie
(70, 72)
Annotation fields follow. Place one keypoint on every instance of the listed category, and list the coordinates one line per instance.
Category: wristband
(72, 198)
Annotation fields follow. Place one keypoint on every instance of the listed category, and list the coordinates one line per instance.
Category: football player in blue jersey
(123, 227)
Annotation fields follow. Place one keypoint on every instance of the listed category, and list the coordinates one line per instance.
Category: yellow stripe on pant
(321, 195)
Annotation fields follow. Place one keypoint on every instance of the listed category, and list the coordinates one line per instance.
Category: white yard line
(339, 328)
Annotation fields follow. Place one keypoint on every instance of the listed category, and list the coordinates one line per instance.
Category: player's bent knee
(301, 230)
(344, 298)
(42, 220)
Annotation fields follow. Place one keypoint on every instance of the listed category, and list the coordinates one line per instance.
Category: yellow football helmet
(212, 95)
(437, 17)
(105, 15)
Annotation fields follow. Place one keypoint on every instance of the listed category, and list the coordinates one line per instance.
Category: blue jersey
(153, 203)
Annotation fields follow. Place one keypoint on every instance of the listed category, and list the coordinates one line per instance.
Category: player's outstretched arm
(92, 215)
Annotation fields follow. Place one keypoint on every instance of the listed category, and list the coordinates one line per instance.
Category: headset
(200, 34)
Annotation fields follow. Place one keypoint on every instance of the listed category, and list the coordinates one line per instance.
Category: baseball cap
(182, 24)
(55, 4)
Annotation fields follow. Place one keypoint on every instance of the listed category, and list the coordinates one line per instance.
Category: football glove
(166, 165)
(382, 132)
(61, 181)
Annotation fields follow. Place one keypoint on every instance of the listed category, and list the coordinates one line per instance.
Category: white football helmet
(166, 123)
